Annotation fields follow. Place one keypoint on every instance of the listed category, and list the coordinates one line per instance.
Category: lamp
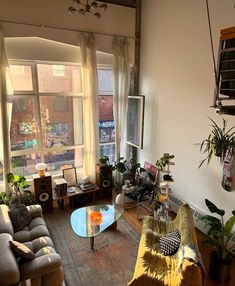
(92, 8)
(41, 167)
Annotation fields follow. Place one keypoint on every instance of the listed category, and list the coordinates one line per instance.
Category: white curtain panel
(121, 70)
(6, 99)
(90, 105)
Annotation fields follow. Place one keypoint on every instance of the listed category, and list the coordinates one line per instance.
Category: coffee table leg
(92, 242)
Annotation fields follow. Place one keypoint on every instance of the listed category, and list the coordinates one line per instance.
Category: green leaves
(213, 208)
(219, 233)
(163, 161)
(219, 143)
(229, 225)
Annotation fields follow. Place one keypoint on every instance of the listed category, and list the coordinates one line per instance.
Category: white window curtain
(121, 70)
(6, 99)
(90, 105)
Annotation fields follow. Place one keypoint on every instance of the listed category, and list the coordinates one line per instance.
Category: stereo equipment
(60, 187)
(104, 179)
(43, 191)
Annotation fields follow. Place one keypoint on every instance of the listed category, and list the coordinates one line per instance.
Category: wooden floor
(130, 216)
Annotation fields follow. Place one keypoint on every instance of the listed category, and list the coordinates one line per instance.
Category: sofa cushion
(20, 217)
(21, 250)
(29, 234)
(169, 243)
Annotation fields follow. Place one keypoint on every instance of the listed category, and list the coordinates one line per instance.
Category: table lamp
(41, 167)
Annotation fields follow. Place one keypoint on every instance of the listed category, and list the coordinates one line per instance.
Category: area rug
(110, 263)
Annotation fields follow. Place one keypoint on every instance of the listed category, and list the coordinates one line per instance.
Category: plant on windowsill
(220, 233)
(219, 143)
(19, 190)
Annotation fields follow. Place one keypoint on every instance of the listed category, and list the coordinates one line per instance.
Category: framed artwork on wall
(70, 176)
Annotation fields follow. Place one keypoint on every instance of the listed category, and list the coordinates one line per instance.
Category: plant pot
(218, 270)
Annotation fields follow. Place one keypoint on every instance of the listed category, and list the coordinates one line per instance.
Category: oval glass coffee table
(92, 220)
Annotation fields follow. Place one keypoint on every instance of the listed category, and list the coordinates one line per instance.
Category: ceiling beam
(127, 3)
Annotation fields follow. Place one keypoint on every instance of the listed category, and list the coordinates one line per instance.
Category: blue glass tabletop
(92, 220)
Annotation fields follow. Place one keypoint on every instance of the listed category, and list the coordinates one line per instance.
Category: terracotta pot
(218, 270)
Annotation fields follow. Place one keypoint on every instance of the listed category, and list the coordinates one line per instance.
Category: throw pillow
(20, 217)
(21, 250)
(170, 243)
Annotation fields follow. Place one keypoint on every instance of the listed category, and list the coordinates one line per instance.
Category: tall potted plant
(219, 143)
(220, 233)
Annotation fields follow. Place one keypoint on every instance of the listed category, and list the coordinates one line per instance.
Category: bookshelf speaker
(104, 179)
(43, 192)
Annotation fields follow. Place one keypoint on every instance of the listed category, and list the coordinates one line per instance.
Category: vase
(219, 271)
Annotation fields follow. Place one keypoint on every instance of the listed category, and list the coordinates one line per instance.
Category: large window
(106, 121)
(47, 119)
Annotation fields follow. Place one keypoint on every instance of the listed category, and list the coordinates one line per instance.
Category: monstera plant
(219, 143)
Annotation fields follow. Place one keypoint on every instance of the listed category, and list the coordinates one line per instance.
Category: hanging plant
(219, 143)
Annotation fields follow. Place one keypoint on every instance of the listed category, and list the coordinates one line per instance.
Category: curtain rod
(64, 29)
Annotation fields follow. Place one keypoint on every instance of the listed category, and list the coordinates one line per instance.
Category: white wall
(33, 48)
(116, 20)
(177, 79)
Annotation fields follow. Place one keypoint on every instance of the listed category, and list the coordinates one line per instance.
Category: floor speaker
(43, 192)
(104, 179)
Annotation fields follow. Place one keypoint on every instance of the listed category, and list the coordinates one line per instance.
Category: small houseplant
(19, 190)
(220, 233)
(219, 142)
(164, 161)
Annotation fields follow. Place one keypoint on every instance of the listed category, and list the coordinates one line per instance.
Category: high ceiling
(128, 3)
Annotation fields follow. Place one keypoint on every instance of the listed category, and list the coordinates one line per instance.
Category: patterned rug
(110, 263)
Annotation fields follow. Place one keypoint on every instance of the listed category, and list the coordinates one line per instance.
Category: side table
(72, 192)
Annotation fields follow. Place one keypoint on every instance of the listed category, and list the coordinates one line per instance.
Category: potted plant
(164, 161)
(220, 233)
(219, 142)
(19, 193)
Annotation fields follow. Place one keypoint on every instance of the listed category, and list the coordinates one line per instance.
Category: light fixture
(41, 167)
(91, 8)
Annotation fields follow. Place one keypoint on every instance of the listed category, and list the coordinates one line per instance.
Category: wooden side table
(70, 195)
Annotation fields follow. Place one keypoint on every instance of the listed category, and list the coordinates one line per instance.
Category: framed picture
(151, 172)
(70, 176)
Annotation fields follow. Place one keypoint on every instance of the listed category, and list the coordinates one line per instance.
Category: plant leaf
(213, 208)
(210, 241)
(229, 225)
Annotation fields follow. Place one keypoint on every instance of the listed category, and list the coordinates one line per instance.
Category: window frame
(106, 93)
(36, 95)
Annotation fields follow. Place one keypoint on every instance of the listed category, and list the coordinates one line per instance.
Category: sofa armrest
(35, 211)
(40, 266)
(9, 270)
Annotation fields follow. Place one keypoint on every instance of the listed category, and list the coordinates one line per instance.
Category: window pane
(62, 123)
(25, 165)
(108, 150)
(106, 122)
(105, 80)
(23, 124)
(59, 78)
(21, 76)
(57, 161)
